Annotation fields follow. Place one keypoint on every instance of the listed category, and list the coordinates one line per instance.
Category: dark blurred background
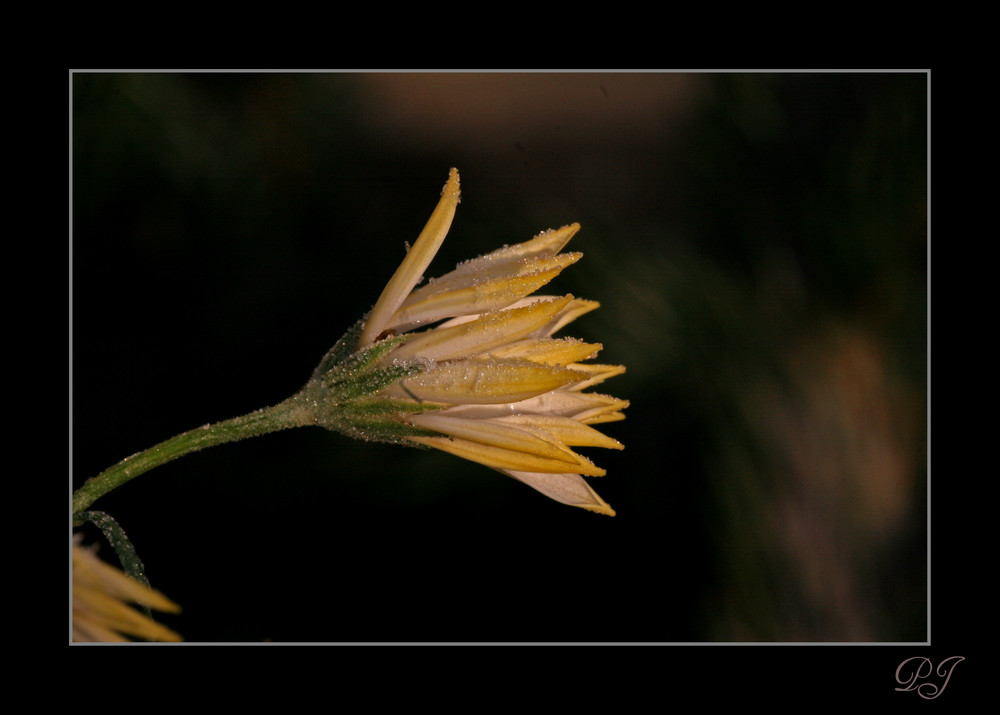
(758, 245)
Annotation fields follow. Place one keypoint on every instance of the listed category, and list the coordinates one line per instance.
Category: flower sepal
(343, 393)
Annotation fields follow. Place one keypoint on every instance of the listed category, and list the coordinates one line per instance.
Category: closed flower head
(469, 363)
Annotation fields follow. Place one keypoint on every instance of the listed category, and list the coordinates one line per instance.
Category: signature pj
(919, 674)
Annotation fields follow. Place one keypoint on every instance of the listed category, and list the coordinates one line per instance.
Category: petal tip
(452, 187)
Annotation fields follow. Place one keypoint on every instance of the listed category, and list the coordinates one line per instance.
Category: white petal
(569, 489)
(583, 406)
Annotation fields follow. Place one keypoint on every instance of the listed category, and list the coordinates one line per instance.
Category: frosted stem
(290, 413)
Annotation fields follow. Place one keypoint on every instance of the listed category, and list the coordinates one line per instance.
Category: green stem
(293, 412)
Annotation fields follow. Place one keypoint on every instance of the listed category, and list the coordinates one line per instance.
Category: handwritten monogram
(915, 674)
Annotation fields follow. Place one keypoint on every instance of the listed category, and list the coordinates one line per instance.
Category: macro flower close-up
(255, 252)
(488, 382)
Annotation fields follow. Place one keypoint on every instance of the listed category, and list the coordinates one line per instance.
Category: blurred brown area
(832, 487)
(758, 242)
(502, 110)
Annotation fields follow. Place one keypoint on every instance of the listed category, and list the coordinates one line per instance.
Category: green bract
(343, 390)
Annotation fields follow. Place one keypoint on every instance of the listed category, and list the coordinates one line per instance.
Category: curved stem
(293, 412)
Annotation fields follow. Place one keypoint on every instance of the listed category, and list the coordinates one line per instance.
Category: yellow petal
(467, 294)
(598, 373)
(102, 598)
(505, 436)
(476, 336)
(116, 616)
(485, 381)
(90, 571)
(550, 351)
(602, 417)
(573, 310)
(546, 244)
(503, 458)
(415, 263)
(568, 431)
(86, 630)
